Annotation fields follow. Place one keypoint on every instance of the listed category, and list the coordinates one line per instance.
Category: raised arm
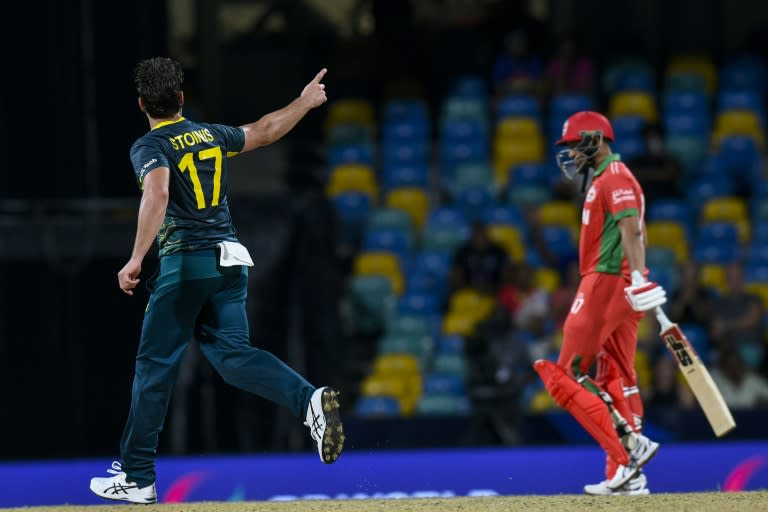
(275, 125)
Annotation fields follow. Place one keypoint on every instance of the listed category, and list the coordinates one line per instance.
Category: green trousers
(194, 296)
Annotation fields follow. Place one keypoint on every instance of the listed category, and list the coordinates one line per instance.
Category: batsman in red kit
(612, 297)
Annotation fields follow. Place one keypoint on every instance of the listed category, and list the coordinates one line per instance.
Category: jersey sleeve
(622, 198)
(145, 158)
(232, 137)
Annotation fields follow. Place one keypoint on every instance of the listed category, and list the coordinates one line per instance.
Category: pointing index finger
(320, 75)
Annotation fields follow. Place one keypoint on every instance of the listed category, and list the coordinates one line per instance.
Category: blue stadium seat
(452, 155)
(435, 263)
(743, 99)
(756, 253)
(353, 210)
(470, 86)
(409, 153)
(473, 201)
(563, 106)
(706, 187)
(640, 79)
(724, 233)
(396, 175)
(669, 209)
(397, 241)
(515, 105)
(715, 253)
(744, 72)
(444, 384)
(628, 126)
(405, 109)
(559, 240)
(629, 147)
(418, 303)
(507, 215)
(760, 231)
(452, 345)
(739, 153)
(405, 130)
(460, 130)
(377, 407)
(692, 124)
(699, 339)
(350, 154)
(447, 216)
(755, 272)
(532, 174)
(685, 102)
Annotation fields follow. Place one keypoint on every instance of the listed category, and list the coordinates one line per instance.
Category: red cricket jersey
(614, 194)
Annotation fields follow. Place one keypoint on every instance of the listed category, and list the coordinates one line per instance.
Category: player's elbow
(262, 133)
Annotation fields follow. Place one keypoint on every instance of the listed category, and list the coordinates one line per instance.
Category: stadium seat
(380, 264)
(371, 298)
(738, 122)
(469, 86)
(455, 154)
(398, 109)
(412, 200)
(536, 174)
(516, 105)
(687, 124)
(390, 218)
(710, 252)
(741, 99)
(353, 210)
(628, 125)
(405, 130)
(352, 178)
(443, 239)
(728, 209)
(705, 188)
(471, 175)
(685, 82)
(420, 347)
(443, 405)
(396, 241)
(718, 233)
(469, 302)
(513, 152)
(528, 196)
(506, 216)
(739, 154)
(744, 72)
(636, 103)
(560, 213)
(669, 234)
(451, 365)
(685, 102)
(564, 105)
(408, 325)
(349, 111)
(418, 303)
(510, 238)
(444, 384)
(396, 364)
(405, 153)
(458, 107)
(689, 150)
(473, 201)
(660, 257)
(456, 131)
(700, 65)
(395, 175)
(712, 275)
(351, 134)
(669, 209)
(453, 345)
(547, 279)
(459, 324)
(377, 407)
(350, 154)
(612, 77)
(560, 240)
(629, 147)
(518, 126)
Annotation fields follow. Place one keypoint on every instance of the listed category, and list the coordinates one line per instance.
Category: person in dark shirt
(200, 290)
(479, 262)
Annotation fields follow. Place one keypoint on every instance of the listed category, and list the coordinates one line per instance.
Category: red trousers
(602, 326)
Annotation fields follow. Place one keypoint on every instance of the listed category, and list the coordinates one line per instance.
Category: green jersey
(196, 155)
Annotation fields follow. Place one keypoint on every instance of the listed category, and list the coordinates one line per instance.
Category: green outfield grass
(694, 502)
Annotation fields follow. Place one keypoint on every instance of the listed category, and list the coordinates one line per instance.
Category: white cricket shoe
(637, 486)
(324, 422)
(639, 456)
(117, 488)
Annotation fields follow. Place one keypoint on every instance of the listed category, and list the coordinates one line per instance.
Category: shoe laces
(117, 468)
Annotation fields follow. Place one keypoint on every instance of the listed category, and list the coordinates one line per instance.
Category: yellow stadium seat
(542, 402)
(352, 178)
(712, 275)
(559, 213)
(669, 234)
(518, 127)
(349, 111)
(510, 239)
(382, 264)
(510, 152)
(738, 122)
(759, 289)
(458, 323)
(413, 387)
(377, 385)
(697, 65)
(547, 279)
(396, 364)
(643, 369)
(472, 303)
(728, 209)
(635, 103)
(412, 200)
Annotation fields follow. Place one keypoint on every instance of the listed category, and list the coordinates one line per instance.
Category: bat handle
(664, 321)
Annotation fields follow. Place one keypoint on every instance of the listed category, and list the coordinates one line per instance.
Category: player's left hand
(314, 92)
(128, 277)
(644, 295)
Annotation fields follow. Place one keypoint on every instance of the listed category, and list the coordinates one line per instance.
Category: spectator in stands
(532, 311)
(570, 69)
(517, 69)
(561, 299)
(658, 171)
(666, 388)
(737, 319)
(739, 385)
(692, 303)
(479, 262)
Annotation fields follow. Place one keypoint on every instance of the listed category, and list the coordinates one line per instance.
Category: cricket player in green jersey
(200, 290)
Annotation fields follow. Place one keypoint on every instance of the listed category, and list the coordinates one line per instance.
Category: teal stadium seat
(371, 299)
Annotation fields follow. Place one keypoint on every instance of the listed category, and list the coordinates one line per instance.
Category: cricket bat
(697, 375)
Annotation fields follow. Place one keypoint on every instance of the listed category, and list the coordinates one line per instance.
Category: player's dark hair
(158, 82)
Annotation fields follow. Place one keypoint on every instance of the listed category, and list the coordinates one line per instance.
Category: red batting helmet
(581, 123)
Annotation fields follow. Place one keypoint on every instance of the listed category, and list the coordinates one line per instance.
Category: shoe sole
(333, 437)
(638, 466)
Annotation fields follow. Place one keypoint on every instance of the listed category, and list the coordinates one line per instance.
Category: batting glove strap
(645, 296)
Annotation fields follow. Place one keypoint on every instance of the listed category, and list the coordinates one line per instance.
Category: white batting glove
(643, 294)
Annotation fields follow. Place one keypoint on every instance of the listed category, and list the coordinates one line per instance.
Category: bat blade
(699, 380)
